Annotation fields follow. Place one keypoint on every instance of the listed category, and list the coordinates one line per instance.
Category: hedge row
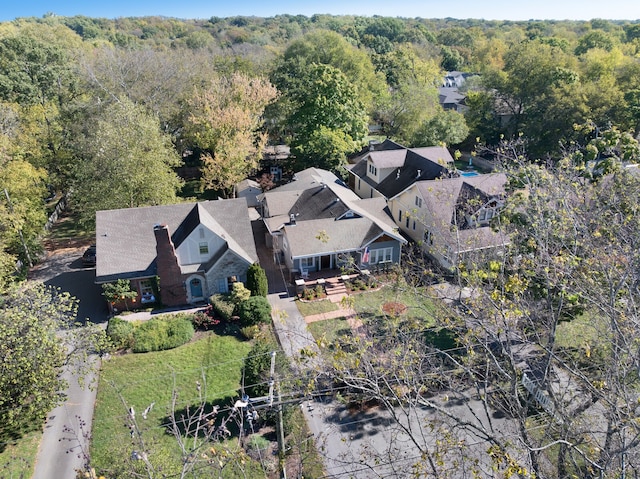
(156, 334)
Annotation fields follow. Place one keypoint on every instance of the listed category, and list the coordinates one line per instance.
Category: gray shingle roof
(442, 199)
(317, 206)
(344, 235)
(126, 245)
(417, 164)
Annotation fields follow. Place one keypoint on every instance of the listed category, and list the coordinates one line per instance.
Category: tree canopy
(126, 162)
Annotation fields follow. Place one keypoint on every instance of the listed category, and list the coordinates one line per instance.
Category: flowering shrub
(205, 319)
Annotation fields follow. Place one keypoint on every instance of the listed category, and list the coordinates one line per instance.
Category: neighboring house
(449, 95)
(191, 249)
(276, 160)
(450, 218)
(249, 189)
(451, 99)
(317, 223)
(389, 168)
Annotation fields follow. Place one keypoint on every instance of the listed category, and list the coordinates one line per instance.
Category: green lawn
(18, 459)
(330, 329)
(316, 307)
(139, 379)
(368, 305)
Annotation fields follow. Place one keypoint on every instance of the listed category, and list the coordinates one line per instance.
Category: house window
(204, 247)
(230, 281)
(358, 184)
(407, 222)
(201, 231)
(382, 255)
(399, 215)
(482, 215)
(414, 225)
(428, 238)
(307, 263)
(373, 170)
(146, 291)
(418, 202)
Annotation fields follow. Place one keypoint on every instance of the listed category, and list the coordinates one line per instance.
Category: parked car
(89, 256)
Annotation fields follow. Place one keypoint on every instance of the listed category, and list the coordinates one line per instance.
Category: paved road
(63, 441)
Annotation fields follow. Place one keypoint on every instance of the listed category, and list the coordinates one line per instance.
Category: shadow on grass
(210, 420)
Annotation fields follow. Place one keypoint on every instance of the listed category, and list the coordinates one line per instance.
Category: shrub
(254, 310)
(250, 332)
(257, 367)
(205, 319)
(239, 293)
(162, 333)
(222, 306)
(257, 280)
(120, 333)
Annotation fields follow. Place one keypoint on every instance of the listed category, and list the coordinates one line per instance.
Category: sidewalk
(145, 315)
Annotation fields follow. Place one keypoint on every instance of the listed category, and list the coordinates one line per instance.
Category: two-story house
(450, 218)
(389, 168)
(186, 251)
(317, 223)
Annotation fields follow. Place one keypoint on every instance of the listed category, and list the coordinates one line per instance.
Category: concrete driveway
(65, 439)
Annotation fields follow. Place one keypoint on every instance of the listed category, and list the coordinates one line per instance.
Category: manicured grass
(18, 459)
(137, 380)
(315, 307)
(368, 305)
(330, 329)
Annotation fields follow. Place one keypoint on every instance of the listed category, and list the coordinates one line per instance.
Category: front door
(196, 288)
(325, 262)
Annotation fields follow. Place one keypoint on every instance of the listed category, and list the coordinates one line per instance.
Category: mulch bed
(394, 309)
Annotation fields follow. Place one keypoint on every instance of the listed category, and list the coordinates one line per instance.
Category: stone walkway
(348, 313)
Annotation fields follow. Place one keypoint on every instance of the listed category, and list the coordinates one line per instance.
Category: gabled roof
(426, 163)
(387, 159)
(341, 236)
(126, 245)
(445, 198)
(327, 202)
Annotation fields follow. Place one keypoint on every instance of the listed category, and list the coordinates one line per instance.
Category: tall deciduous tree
(22, 214)
(126, 162)
(224, 123)
(536, 373)
(34, 354)
(328, 119)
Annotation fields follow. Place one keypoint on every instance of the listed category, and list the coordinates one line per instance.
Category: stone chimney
(172, 289)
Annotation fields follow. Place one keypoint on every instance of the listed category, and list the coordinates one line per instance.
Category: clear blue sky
(191, 9)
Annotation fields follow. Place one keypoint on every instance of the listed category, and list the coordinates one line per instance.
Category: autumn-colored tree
(224, 122)
(126, 162)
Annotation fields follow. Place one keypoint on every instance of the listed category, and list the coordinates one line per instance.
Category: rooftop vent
(292, 219)
(419, 174)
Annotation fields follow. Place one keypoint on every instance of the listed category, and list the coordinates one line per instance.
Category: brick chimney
(172, 289)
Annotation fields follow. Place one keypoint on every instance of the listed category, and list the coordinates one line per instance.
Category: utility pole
(279, 422)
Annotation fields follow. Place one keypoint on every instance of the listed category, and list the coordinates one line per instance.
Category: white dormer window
(373, 170)
(203, 247)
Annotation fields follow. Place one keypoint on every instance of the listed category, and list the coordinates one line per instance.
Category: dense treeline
(104, 110)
